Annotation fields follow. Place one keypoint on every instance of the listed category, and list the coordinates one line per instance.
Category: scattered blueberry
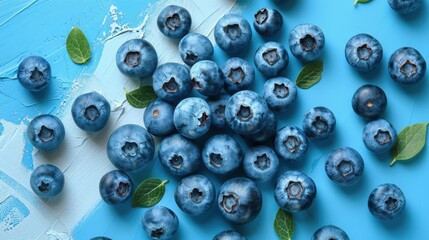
(239, 75)
(405, 6)
(271, 58)
(172, 82)
(306, 42)
(207, 78)
(174, 21)
(34, 73)
(379, 136)
(136, 58)
(319, 123)
(267, 133)
(130, 148)
(369, 101)
(330, 232)
(295, 191)
(344, 166)
(280, 93)
(157, 118)
(260, 163)
(363, 52)
(192, 117)
(229, 235)
(291, 143)
(222, 154)
(46, 132)
(47, 181)
(239, 200)
(91, 111)
(195, 47)
(195, 194)
(233, 33)
(217, 106)
(407, 66)
(386, 201)
(115, 187)
(179, 155)
(268, 21)
(160, 223)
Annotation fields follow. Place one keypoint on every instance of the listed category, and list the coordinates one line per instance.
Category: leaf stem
(164, 182)
(356, 2)
(393, 162)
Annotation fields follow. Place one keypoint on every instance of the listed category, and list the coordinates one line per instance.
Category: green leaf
(411, 141)
(77, 46)
(141, 97)
(149, 192)
(310, 74)
(361, 1)
(284, 225)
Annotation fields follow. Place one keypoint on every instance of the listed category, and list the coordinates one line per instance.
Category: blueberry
(330, 232)
(386, 201)
(217, 107)
(363, 52)
(290, 143)
(192, 117)
(267, 133)
(46, 132)
(136, 58)
(174, 21)
(47, 181)
(379, 136)
(239, 200)
(246, 112)
(260, 163)
(34, 73)
(344, 166)
(239, 75)
(91, 111)
(195, 47)
(207, 78)
(407, 66)
(306, 42)
(271, 58)
(295, 191)
(405, 6)
(115, 187)
(160, 223)
(280, 93)
(100, 238)
(319, 123)
(229, 235)
(222, 154)
(195, 194)
(157, 118)
(369, 101)
(268, 21)
(130, 148)
(233, 33)
(172, 82)
(179, 155)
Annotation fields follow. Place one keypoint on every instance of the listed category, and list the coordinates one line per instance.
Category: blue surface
(341, 206)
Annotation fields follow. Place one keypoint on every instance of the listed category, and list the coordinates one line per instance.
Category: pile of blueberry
(231, 109)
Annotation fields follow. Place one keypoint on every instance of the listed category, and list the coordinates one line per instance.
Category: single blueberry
(172, 82)
(46, 132)
(379, 136)
(136, 58)
(260, 163)
(344, 166)
(34, 73)
(91, 111)
(319, 123)
(239, 75)
(280, 93)
(222, 154)
(369, 101)
(330, 232)
(239, 200)
(268, 21)
(405, 6)
(207, 78)
(47, 181)
(157, 118)
(407, 66)
(160, 223)
(229, 235)
(290, 143)
(130, 148)
(192, 117)
(363, 52)
(295, 191)
(271, 58)
(115, 187)
(386, 201)
(306, 42)
(267, 133)
(195, 194)
(174, 21)
(217, 106)
(195, 47)
(179, 155)
(233, 33)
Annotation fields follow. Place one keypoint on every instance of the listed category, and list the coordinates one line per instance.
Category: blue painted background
(41, 27)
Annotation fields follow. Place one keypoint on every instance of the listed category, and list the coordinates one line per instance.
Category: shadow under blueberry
(413, 17)
(378, 74)
(286, 4)
(397, 224)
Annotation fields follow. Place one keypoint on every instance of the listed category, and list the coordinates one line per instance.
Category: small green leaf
(310, 74)
(284, 225)
(141, 97)
(361, 1)
(77, 46)
(411, 141)
(149, 192)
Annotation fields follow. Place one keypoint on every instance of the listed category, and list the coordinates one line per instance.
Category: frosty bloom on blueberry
(136, 58)
(319, 123)
(229, 235)
(386, 201)
(195, 47)
(330, 232)
(172, 82)
(115, 187)
(91, 111)
(290, 143)
(174, 21)
(239, 75)
(233, 33)
(379, 136)
(344, 166)
(47, 181)
(268, 21)
(192, 117)
(363, 52)
(160, 223)
(46, 132)
(222, 154)
(306, 42)
(407, 66)
(157, 118)
(271, 58)
(34, 73)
